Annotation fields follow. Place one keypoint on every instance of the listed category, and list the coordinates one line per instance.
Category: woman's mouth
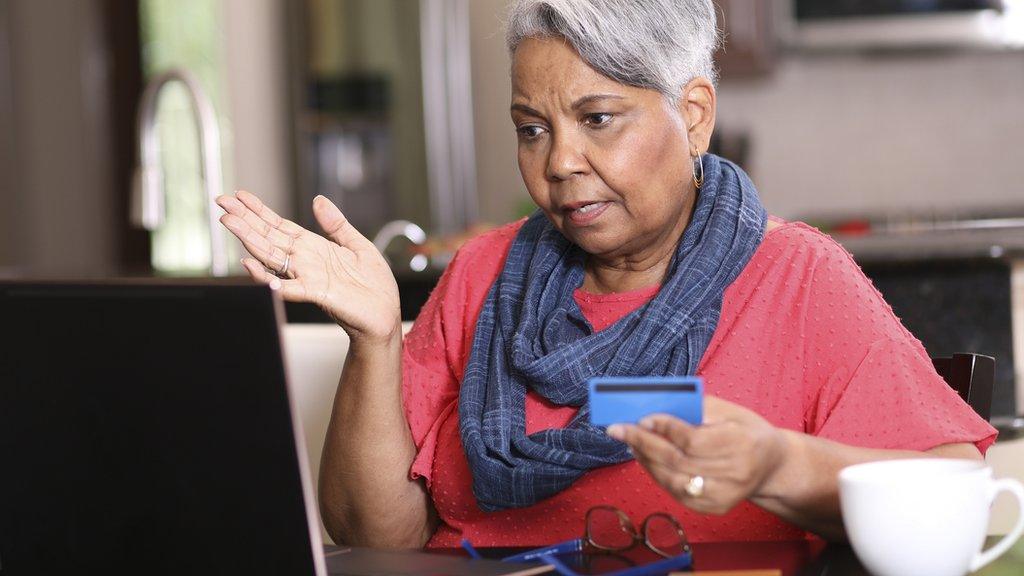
(587, 213)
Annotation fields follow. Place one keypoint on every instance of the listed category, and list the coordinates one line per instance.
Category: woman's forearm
(804, 489)
(366, 495)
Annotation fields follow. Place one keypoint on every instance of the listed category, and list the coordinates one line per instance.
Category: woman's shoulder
(796, 262)
(804, 271)
(795, 233)
(799, 243)
(480, 259)
(476, 265)
(450, 313)
(488, 245)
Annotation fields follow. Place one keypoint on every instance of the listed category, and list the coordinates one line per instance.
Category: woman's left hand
(735, 451)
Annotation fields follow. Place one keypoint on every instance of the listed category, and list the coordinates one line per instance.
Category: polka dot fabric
(804, 340)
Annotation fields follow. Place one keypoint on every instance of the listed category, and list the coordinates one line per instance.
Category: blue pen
(560, 548)
(663, 566)
(472, 551)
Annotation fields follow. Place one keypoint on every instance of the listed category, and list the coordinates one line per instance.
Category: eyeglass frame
(549, 554)
(638, 536)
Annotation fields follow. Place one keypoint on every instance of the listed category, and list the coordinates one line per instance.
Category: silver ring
(695, 487)
(287, 262)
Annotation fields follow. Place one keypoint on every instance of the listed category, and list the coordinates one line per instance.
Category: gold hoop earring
(698, 162)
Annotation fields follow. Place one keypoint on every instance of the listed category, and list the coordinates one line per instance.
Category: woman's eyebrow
(579, 103)
(584, 100)
(525, 109)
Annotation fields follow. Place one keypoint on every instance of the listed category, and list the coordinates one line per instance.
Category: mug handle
(1017, 489)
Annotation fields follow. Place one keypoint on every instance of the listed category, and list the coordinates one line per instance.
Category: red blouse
(804, 340)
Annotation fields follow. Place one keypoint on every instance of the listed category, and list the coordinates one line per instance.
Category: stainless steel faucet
(148, 201)
(397, 228)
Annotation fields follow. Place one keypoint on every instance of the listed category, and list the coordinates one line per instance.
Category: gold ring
(695, 487)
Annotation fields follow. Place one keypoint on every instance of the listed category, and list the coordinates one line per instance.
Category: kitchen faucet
(148, 199)
(397, 228)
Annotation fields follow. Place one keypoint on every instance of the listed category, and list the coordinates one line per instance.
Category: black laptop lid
(147, 428)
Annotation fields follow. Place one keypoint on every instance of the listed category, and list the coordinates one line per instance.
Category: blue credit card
(627, 399)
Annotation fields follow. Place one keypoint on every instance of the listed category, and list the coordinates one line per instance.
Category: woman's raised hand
(344, 274)
(735, 451)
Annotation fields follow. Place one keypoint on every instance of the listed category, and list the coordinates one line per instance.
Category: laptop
(148, 427)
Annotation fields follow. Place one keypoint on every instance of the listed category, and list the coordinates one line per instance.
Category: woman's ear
(697, 105)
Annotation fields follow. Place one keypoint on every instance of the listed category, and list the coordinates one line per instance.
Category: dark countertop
(790, 558)
(413, 289)
(990, 239)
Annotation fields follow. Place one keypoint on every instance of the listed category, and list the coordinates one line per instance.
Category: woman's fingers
(289, 289)
(252, 202)
(647, 445)
(722, 440)
(662, 459)
(233, 206)
(257, 271)
(735, 449)
(673, 470)
(255, 227)
(259, 246)
(710, 441)
(717, 410)
(344, 275)
(337, 227)
(656, 451)
(672, 428)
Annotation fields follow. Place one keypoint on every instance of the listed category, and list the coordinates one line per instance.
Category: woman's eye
(598, 118)
(529, 131)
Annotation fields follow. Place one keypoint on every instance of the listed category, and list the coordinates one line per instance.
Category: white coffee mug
(923, 517)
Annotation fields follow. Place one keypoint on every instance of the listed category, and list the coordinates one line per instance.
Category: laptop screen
(147, 428)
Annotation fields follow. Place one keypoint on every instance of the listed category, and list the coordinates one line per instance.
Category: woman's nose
(566, 158)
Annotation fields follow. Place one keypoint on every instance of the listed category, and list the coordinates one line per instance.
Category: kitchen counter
(991, 238)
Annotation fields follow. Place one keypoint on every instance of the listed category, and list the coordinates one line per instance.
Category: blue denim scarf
(531, 334)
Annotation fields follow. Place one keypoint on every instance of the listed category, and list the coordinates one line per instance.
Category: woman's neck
(626, 274)
(602, 278)
(638, 269)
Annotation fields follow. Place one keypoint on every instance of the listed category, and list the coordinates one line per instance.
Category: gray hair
(656, 44)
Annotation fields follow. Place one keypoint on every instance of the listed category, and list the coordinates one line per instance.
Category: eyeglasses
(610, 531)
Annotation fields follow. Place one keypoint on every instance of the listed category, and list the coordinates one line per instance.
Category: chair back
(972, 376)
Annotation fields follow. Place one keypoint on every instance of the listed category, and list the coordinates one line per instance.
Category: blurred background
(896, 126)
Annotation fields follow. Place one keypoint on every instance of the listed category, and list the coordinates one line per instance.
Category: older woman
(648, 256)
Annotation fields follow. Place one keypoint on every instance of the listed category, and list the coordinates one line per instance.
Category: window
(187, 34)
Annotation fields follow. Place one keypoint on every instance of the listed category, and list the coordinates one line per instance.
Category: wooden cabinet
(750, 39)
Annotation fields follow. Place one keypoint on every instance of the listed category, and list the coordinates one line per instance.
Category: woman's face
(609, 164)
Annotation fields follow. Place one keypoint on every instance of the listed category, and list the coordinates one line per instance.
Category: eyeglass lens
(609, 528)
(664, 535)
